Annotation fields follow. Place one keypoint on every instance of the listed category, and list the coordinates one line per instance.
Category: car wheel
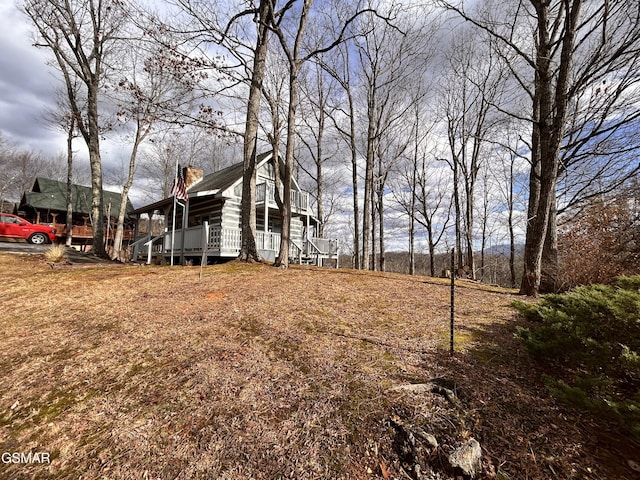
(38, 238)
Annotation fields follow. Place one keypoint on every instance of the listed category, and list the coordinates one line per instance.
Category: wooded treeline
(419, 126)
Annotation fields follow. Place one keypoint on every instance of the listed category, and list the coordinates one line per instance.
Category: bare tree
(406, 187)
(61, 117)
(241, 30)
(510, 183)
(21, 166)
(149, 90)
(471, 89)
(573, 44)
(391, 66)
(319, 90)
(263, 19)
(297, 51)
(80, 35)
(433, 205)
(338, 66)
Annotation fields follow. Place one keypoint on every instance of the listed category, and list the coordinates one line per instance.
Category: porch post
(185, 223)
(149, 237)
(149, 248)
(205, 240)
(266, 217)
(308, 224)
(134, 254)
(173, 228)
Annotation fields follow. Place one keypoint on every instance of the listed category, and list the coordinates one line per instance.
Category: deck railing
(299, 200)
(224, 239)
(323, 246)
(267, 241)
(227, 241)
(86, 231)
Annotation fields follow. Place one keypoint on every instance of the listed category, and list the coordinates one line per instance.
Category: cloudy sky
(27, 85)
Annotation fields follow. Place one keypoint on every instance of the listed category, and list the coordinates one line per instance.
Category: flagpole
(185, 224)
(173, 227)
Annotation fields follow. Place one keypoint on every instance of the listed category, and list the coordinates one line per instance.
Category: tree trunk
(354, 184)
(69, 220)
(285, 208)
(319, 172)
(412, 202)
(117, 240)
(97, 201)
(381, 258)
(512, 236)
(248, 250)
(368, 184)
(456, 200)
(551, 103)
(536, 234)
(549, 268)
(373, 265)
(412, 233)
(432, 256)
(469, 219)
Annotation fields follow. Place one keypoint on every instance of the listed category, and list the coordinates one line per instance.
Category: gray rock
(430, 387)
(467, 458)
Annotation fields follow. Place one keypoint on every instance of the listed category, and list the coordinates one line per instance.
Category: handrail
(292, 243)
(323, 246)
(295, 244)
(317, 249)
(146, 240)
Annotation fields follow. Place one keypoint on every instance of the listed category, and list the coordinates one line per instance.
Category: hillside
(256, 372)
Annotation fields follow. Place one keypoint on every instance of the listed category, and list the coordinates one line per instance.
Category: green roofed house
(47, 203)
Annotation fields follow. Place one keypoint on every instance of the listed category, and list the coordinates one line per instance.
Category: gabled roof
(220, 180)
(225, 178)
(48, 194)
(214, 183)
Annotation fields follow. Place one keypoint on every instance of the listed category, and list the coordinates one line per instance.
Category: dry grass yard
(259, 373)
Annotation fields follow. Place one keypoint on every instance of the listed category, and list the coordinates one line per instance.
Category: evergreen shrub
(591, 334)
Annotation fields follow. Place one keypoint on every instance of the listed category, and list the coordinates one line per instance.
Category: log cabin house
(209, 224)
(47, 203)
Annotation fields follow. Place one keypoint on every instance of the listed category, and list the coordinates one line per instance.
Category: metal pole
(173, 229)
(185, 224)
(453, 289)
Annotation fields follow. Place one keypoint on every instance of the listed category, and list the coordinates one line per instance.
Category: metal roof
(214, 182)
(48, 194)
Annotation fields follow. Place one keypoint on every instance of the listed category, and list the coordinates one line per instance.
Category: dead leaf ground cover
(256, 372)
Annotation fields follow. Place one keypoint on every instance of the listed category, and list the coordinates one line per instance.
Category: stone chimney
(192, 175)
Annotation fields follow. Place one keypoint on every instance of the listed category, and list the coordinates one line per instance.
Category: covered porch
(215, 241)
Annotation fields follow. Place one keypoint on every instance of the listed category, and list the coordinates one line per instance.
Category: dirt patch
(215, 295)
(257, 372)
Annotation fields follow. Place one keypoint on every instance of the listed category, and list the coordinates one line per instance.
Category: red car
(12, 226)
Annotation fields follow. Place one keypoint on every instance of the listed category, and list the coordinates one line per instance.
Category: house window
(269, 168)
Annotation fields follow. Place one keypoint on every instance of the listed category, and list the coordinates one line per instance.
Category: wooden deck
(85, 232)
(226, 243)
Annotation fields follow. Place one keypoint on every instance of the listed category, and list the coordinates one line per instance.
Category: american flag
(179, 188)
